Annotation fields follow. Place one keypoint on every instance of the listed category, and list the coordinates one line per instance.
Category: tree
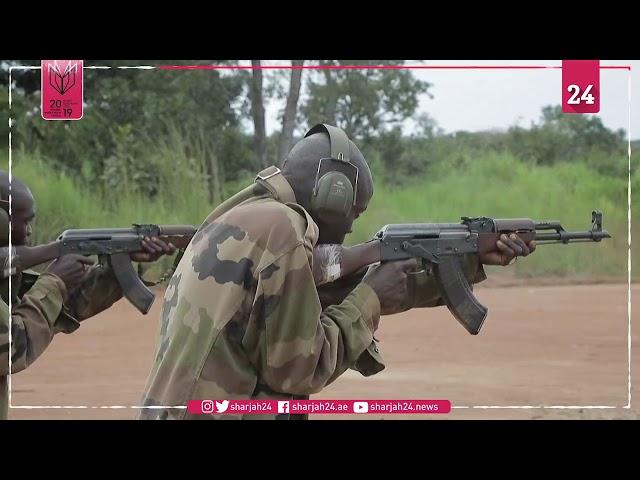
(560, 137)
(290, 111)
(257, 112)
(588, 130)
(128, 113)
(363, 102)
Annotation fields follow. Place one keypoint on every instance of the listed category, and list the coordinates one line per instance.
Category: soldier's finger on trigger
(86, 260)
(412, 265)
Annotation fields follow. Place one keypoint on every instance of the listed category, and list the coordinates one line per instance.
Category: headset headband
(340, 148)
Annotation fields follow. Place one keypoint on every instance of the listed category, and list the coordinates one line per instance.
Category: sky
(476, 100)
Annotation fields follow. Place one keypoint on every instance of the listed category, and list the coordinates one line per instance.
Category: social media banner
(315, 407)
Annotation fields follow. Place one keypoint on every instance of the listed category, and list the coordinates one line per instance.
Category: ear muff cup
(333, 196)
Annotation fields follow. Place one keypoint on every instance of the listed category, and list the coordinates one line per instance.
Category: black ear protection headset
(336, 187)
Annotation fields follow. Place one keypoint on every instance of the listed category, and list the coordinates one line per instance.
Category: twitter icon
(221, 407)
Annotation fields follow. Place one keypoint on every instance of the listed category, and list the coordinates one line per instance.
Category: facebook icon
(283, 407)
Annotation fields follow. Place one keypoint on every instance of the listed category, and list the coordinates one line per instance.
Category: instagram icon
(207, 406)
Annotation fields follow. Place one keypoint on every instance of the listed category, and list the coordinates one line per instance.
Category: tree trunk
(205, 151)
(332, 101)
(215, 180)
(257, 111)
(289, 117)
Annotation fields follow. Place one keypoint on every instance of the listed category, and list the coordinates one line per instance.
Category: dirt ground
(540, 346)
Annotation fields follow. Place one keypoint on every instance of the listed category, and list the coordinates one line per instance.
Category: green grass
(64, 204)
(495, 185)
(500, 186)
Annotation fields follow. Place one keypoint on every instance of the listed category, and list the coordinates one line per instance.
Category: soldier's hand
(509, 247)
(389, 281)
(154, 249)
(71, 269)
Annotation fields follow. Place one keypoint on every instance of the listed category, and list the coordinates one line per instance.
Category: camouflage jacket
(38, 313)
(242, 318)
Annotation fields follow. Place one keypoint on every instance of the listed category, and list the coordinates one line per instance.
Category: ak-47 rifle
(113, 247)
(439, 247)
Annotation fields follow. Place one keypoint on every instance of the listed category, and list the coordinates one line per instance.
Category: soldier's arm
(298, 347)
(33, 324)
(100, 289)
(422, 289)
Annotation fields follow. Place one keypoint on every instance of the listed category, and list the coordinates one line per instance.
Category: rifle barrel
(566, 237)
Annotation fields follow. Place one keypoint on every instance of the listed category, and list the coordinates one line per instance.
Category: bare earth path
(541, 345)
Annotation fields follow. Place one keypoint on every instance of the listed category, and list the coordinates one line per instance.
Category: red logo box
(62, 89)
(581, 86)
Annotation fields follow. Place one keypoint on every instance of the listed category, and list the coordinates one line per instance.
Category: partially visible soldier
(69, 291)
(242, 317)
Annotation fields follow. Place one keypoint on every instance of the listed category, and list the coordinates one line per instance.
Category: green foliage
(125, 111)
(363, 102)
(502, 186)
(167, 146)
(558, 138)
(561, 137)
(496, 185)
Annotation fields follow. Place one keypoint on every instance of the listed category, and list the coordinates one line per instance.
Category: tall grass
(496, 185)
(499, 185)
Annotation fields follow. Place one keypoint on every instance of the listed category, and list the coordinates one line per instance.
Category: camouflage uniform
(38, 313)
(242, 318)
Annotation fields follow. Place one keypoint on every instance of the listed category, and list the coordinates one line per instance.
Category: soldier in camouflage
(243, 317)
(69, 290)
